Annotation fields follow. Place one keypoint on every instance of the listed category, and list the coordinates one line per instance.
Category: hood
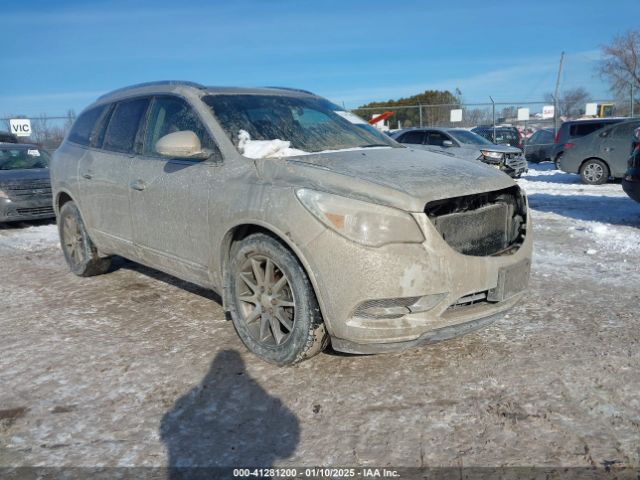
(27, 175)
(403, 178)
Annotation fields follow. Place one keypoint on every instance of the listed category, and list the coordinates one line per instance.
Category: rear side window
(488, 134)
(545, 137)
(582, 129)
(415, 138)
(123, 125)
(85, 125)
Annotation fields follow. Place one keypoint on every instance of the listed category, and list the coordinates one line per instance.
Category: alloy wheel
(265, 300)
(593, 172)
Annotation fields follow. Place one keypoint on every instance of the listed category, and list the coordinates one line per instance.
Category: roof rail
(151, 84)
(292, 89)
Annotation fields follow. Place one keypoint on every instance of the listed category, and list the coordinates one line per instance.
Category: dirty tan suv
(312, 226)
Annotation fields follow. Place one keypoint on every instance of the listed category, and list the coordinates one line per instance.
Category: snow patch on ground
(30, 238)
(602, 214)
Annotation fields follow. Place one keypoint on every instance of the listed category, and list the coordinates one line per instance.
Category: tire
(79, 251)
(594, 172)
(272, 303)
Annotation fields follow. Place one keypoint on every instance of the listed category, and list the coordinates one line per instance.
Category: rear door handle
(88, 176)
(138, 185)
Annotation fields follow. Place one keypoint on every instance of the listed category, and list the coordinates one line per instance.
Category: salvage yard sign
(20, 127)
(456, 115)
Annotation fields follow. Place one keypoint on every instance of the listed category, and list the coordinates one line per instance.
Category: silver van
(311, 225)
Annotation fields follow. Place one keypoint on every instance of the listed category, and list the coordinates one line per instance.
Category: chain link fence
(470, 115)
(49, 130)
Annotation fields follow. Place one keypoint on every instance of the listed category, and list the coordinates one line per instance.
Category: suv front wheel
(594, 172)
(272, 303)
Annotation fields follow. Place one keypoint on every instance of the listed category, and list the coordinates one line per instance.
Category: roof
(178, 85)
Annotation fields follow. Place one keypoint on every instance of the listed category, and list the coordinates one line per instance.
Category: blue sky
(61, 55)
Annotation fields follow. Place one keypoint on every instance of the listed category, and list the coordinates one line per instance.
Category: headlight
(362, 222)
(494, 155)
(3, 194)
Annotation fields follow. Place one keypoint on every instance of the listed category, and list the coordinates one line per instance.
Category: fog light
(389, 308)
(427, 302)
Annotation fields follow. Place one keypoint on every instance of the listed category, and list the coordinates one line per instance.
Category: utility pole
(555, 95)
(493, 118)
(632, 112)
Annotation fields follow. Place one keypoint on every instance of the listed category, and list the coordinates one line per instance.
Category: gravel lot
(135, 368)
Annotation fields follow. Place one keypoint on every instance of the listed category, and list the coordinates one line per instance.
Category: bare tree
(621, 62)
(571, 102)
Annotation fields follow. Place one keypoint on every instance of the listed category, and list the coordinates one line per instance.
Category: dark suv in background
(500, 135)
(576, 129)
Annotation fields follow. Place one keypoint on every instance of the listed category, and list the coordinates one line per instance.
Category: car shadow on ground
(594, 208)
(228, 420)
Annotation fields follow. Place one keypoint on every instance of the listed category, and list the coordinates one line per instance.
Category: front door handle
(138, 185)
(87, 175)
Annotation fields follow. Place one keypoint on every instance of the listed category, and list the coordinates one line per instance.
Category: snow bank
(31, 238)
(602, 214)
(265, 148)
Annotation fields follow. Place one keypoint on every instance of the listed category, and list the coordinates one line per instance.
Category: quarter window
(169, 115)
(123, 125)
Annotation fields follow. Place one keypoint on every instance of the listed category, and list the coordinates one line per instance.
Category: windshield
(469, 138)
(262, 126)
(23, 158)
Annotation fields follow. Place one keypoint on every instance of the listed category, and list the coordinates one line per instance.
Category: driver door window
(170, 115)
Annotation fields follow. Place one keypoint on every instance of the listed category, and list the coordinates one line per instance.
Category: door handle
(88, 176)
(138, 185)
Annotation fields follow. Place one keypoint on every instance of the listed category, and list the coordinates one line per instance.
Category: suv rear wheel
(272, 303)
(594, 172)
(79, 251)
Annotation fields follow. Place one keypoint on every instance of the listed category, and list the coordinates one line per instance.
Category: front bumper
(33, 208)
(514, 167)
(349, 275)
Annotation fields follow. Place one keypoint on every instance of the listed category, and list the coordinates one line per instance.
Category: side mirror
(447, 143)
(183, 144)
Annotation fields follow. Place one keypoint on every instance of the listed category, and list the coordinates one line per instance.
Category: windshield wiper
(372, 145)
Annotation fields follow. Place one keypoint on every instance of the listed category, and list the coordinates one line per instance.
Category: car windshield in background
(23, 158)
(469, 138)
(263, 126)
